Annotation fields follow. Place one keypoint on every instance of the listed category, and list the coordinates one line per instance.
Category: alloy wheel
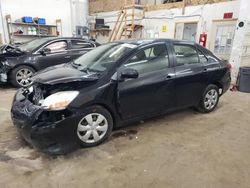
(23, 77)
(92, 128)
(211, 99)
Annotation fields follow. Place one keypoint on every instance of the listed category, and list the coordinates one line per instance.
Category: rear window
(78, 44)
(185, 54)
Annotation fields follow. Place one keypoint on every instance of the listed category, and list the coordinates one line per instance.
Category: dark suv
(18, 64)
(113, 85)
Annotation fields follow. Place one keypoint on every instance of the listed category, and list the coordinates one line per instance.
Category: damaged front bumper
(4, 69)
(52, 132)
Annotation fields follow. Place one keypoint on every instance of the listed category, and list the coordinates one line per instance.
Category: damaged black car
(7, 51)
(79, 104)
(19, 63)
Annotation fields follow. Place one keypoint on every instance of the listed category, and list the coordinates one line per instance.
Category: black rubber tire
(107, 115)
(201, 106)
(14, 72)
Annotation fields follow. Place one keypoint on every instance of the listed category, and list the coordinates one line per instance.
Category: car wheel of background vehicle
(21, 76)
(95, 126)
(209, 99)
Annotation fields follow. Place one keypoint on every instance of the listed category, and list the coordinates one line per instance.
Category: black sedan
(113, 85)
(18, 64)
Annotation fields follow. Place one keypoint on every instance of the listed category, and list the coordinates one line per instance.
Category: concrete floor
(183, 149)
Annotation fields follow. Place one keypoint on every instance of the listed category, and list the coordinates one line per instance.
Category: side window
(78, 44)
(58, 46)
(202, 57)
(185, 54)
(150, 59)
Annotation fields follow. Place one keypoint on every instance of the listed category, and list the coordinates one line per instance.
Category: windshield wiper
(74, 63)
(89, 70)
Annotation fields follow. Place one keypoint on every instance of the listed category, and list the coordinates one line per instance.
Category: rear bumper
(53, 137)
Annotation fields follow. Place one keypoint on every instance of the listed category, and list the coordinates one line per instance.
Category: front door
(58, 54)
(153, 90)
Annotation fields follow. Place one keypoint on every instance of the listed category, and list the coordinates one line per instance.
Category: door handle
(67, 57)
(205, 70)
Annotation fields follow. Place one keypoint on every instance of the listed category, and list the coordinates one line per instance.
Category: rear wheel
(94, 127)
(209, 99)
(21, 76)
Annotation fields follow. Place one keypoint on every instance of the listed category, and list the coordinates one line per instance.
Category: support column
(240, 38)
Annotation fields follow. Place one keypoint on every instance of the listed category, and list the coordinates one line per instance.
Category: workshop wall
(204, 15)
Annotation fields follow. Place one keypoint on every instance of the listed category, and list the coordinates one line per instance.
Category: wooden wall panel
(180, 4)
(96, 6)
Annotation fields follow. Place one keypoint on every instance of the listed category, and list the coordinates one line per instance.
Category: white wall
(48, 9)
(154, 20)
(203, 14)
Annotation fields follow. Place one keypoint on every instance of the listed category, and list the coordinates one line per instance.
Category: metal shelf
(30, 24)
(14, 36)
(25, 35)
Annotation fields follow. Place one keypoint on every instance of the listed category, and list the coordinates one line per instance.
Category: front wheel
(21, 76)
(95, 126)
(209, 99)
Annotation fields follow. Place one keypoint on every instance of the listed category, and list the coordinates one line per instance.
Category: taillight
(229, 66)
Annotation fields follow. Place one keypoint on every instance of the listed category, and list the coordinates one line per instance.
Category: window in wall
(150, 59)
(224, 39)
(186, 31)
(185, 54)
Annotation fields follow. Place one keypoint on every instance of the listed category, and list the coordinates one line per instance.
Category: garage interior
(180, 149)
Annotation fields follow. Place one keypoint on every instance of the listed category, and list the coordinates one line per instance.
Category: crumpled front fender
(4, 69)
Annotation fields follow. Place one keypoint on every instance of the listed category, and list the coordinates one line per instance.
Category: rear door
(191, 79)
(153, 90)
(79, 47)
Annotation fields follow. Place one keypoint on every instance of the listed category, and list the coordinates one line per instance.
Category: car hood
(14, 52)
(64, 73)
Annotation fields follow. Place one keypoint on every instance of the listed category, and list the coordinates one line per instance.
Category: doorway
(186, 31)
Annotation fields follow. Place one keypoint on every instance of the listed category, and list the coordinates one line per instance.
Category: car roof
(66, 38)
(141, 42)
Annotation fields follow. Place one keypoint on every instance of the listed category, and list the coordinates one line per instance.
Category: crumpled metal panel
(25, 112)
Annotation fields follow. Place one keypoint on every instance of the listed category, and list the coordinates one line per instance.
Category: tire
(88, 128)
(18, 72)
(209, 100)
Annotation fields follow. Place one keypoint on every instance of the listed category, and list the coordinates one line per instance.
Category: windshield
(32, 45)
(103, 57)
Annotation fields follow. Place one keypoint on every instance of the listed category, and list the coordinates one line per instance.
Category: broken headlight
(59, 100)
(5, 63)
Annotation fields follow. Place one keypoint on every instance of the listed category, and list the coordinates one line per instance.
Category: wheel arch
(219, 85)
(110, 110)
(23, 64)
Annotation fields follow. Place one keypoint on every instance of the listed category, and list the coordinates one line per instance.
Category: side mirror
(129, 73)
(45, 51)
